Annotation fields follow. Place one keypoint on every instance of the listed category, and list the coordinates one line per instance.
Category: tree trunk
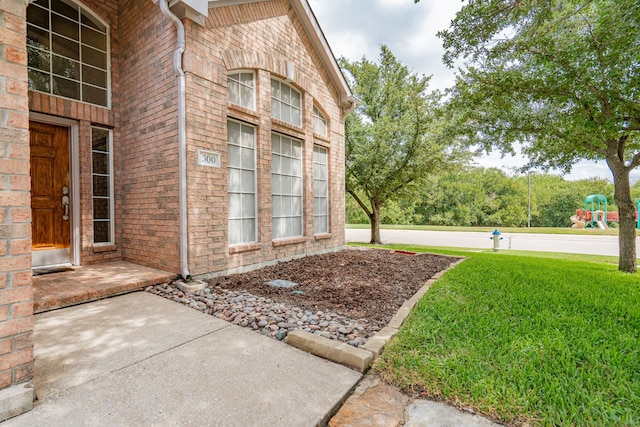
(375, 225)
(627, 234)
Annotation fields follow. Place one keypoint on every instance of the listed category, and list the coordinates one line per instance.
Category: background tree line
(475, 196)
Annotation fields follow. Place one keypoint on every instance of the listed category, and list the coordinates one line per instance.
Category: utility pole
(528, 199)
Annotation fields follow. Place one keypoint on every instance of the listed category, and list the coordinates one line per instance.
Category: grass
(525, 338)
(524, 230)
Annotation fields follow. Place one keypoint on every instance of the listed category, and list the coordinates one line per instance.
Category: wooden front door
(50, 194)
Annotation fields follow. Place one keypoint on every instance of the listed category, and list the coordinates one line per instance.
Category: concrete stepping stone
(279, 283)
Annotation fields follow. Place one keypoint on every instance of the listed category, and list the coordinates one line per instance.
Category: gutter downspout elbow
(352, 102)
(182, 136)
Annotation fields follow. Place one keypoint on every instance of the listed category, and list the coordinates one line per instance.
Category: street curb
(332, 350)
(361, 358)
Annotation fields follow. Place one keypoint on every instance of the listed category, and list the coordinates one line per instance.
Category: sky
(357, 28)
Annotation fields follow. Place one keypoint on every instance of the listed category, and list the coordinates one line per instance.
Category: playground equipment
(578, 220)
(597, 205)
(595, 219)
(595, 214)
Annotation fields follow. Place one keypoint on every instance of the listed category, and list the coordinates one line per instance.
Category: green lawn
(536, 230)
(526, 338)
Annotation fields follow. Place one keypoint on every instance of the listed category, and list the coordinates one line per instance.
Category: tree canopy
(389, 143)
(561, 78)
(480, 197)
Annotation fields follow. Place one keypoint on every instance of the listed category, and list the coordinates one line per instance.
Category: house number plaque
(209, 158)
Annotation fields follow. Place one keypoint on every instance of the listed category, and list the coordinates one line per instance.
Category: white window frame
(110, 197)
(320, 217)
(285, 198)
(280, 103)
(243, 215)
(320, 124)
(82, 10)
(232, 81)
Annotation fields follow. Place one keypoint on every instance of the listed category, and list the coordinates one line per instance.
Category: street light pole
(528, 199)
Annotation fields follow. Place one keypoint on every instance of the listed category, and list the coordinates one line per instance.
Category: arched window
(241, 89)
(286, 103)
(319, 122)
(68, 51)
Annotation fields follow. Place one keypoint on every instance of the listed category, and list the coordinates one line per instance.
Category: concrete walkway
(567, 243)
(139, 359)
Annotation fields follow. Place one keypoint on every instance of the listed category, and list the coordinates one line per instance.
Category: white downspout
(182, 136)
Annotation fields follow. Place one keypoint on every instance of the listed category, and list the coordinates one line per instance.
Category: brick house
(197, 137)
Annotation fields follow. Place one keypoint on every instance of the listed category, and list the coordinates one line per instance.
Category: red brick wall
(144, 122)
(260, 36)
(148, 136)
(16, 292)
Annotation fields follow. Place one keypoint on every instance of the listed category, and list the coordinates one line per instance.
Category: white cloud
(392, 4)
(357, 44)
(506, 163)
(588, 169)
(584, 169)
(356, 28)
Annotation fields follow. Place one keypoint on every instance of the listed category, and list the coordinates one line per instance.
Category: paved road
(568, 243)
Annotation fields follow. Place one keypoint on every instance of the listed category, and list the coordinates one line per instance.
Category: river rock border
(267, 316)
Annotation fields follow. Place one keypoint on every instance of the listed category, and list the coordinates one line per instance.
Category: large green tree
(559, 77)
(390, 146)
(473, 196)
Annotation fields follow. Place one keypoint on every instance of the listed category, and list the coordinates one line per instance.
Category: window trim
(255, 186)
(254, 89)
(327, 213)
(83, 10)
(280, 101)
(111, 189)
(302, 178)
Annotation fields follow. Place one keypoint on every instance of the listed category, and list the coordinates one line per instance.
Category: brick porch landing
(93, 282)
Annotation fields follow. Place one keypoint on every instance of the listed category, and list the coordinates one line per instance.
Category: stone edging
(361, 358)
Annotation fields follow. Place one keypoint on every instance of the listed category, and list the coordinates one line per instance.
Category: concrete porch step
(93, 282)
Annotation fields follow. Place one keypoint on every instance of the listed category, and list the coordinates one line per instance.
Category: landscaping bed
(347, 295)
(358, 283)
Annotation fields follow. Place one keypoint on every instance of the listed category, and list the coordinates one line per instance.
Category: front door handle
(65, 203)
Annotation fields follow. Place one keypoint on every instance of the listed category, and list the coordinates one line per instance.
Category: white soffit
(196, 10)
(220, 3)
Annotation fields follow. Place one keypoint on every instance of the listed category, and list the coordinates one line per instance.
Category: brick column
(16, 291)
